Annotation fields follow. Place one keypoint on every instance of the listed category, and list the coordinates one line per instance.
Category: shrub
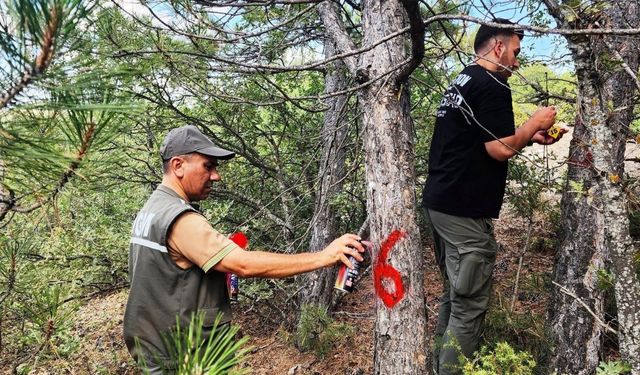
(503, 360)
(613, 368)
(524, 330)
(317, 331)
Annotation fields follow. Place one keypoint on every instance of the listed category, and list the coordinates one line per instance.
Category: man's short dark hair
(485, 33)
(167, 162)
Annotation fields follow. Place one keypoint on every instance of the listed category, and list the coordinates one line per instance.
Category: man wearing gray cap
(178, 262)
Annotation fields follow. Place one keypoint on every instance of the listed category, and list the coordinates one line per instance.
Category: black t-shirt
(463, 179)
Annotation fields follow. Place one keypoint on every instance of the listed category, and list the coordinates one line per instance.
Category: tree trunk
(594, 207)
(400, 329)
(400, 337)
(577, 337)
(318, 285)
(621, 89)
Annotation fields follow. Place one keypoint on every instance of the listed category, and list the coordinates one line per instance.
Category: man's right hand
(545, 117)
(341, 248)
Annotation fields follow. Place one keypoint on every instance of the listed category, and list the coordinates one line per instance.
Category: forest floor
(98, 324)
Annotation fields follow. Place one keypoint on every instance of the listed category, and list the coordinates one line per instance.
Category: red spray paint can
(233, 285)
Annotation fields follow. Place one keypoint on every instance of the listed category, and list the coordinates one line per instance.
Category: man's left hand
(542, 138)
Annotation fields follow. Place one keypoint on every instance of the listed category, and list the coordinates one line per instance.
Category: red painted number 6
(383, 270)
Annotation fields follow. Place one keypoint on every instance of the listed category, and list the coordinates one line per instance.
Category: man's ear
(177, 166)
(499, 47)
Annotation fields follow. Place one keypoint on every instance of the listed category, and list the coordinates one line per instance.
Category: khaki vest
(162, 291)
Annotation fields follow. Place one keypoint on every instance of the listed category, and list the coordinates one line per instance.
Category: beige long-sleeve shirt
(192, 240)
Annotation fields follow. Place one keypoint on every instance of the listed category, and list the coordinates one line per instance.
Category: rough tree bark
(595, 227)
(318, 286)
(400, 330)
(621, 90)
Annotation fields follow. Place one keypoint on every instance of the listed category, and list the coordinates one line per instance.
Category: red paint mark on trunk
(383, 270)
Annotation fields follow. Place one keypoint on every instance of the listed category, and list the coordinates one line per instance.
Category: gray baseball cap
(187, 139)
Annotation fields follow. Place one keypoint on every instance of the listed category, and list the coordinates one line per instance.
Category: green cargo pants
(465, 249)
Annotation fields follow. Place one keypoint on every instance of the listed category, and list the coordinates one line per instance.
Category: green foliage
(539, 16)
(525, 189)
(502, 360)
(526, 99)
(634, 223)
(12, 265)
(317, 332)
(543, 244)
(52, 257)
(527, 193)
(537, 285)
(32, 25)
(606, 280)
(634, 126)
(577, 187)
(49, 322)
(257, 289)
(45, 331)
(544, 237)
(610, 64)
(613, 368)
(219, 353)
(523, 330)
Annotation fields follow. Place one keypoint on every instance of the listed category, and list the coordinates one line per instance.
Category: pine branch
(41, 63)
(87, 139)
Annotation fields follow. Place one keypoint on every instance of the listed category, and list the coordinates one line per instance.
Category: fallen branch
(355, 314)
(255, 350)
(571, 294)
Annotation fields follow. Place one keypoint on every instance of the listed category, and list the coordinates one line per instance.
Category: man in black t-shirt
(474, 136)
